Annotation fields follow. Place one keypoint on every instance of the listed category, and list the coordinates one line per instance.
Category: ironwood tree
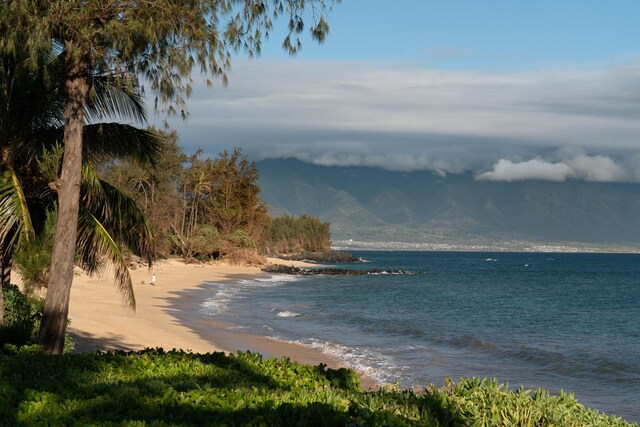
(188, 197)
(162, 41)
(155, 187)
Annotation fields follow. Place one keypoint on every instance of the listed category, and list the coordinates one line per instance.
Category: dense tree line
(288, 234)
(203, 208)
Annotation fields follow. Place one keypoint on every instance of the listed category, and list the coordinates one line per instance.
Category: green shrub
(155, 387)
(33, 259)
(288, 234)
(21, 320)
(21, 326)
(205, 242)
(240, 240)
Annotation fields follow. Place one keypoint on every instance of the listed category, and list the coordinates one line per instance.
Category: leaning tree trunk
(56, 307)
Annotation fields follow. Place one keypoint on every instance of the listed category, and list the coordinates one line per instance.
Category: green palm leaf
(15, 219)
(108, 218)
(106, 141)
(95, 243)
(120, 213)
(112, 98)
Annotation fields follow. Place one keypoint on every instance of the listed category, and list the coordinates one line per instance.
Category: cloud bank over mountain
(588, 168)
(552, 124)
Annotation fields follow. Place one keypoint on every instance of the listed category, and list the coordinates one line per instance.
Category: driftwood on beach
(297, 271)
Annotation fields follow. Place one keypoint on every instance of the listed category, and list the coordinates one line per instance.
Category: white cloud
(596, 168)
(589, 168)
(535, 169)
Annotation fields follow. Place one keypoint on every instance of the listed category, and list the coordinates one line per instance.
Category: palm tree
(31, 124)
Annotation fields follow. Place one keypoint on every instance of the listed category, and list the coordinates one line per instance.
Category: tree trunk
(5, 264)
(56, 307)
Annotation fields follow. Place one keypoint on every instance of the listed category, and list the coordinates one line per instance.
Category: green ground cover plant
(156, 387)
(22, 314)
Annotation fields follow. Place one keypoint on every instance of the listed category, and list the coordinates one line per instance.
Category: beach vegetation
(20, 322)
(206, 242)
(220, 192)
(159, 387)
(201, 208)
(155, 188)
(240, 239)
(204, 208)
(288, 234)
(19, 333)
(33, 258)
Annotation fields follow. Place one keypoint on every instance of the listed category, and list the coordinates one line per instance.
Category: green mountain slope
(370, 204)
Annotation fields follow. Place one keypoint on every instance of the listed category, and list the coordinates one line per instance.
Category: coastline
(101, 321)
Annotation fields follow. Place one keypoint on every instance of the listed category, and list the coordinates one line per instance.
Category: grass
(156, 387)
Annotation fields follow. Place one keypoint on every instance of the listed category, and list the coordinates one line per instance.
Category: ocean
(550, 320)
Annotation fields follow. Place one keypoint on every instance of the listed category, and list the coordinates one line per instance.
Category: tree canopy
(161, 40)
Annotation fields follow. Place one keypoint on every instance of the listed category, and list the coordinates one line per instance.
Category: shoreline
(100, 321)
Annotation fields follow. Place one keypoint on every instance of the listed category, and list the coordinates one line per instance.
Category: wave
(276, 278)
(287, 314)
(225, 292)
(378, 366)
(218, 303)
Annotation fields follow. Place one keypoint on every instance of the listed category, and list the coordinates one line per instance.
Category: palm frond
(106, 141)
(15, 220)
(119, 213)
(94, 243)
(111, 97)
(102, 142)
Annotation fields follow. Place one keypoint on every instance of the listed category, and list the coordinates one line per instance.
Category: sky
(511, 90)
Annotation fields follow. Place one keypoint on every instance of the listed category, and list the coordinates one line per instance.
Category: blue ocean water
(557, 321)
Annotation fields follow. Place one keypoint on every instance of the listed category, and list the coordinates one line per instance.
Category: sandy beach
(101, 321)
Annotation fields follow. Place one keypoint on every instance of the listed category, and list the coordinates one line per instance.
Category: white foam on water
(218, 303)
(377, 366)
(278, 278)
(236, 327)
(287, 314)
(224, 292)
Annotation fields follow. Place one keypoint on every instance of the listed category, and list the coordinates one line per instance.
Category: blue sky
(477, 34)
(511, 90)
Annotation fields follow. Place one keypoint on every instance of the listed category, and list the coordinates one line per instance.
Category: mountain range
(365, 204)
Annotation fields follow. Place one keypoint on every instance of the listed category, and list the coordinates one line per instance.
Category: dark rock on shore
(329, 257)
(296, 271)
